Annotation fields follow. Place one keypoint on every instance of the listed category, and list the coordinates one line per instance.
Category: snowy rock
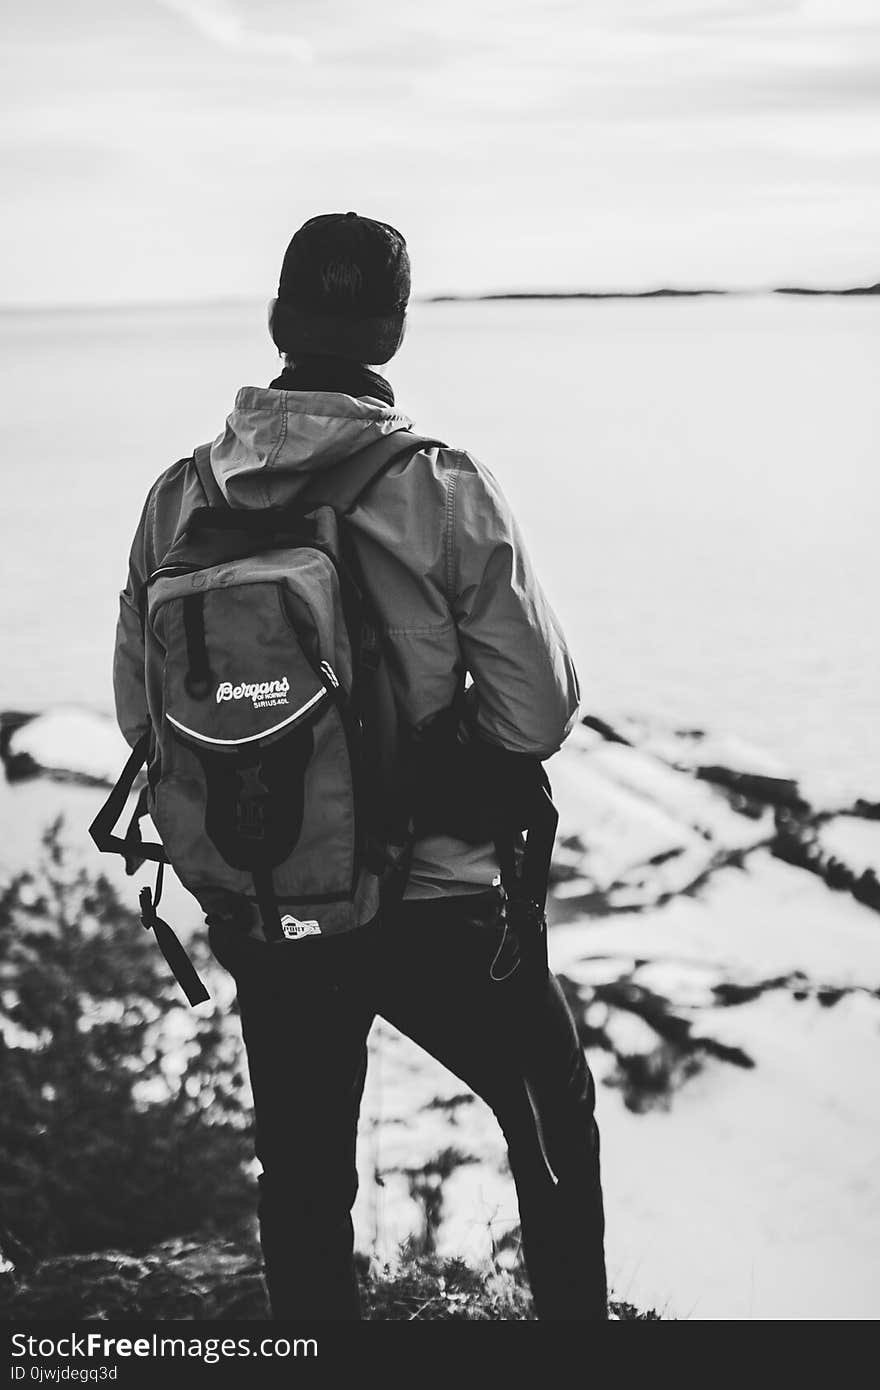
(855, 842)
(635, 830)
(68, 743)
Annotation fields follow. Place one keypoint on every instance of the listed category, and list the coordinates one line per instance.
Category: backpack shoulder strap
(202, 461)
(342, 486)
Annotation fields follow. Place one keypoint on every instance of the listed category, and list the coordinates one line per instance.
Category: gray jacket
(444, 561)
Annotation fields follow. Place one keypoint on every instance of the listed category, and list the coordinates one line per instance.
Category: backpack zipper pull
(330, 674)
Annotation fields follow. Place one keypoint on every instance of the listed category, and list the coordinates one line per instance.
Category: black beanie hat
(344, 289)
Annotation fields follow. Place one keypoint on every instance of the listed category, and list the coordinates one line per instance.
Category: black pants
(306, 1010)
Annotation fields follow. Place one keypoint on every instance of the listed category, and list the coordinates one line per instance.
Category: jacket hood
(275, 441)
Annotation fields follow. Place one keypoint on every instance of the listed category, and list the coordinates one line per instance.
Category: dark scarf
(333, 374)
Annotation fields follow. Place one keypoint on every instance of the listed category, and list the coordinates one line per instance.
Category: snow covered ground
(729, 1002)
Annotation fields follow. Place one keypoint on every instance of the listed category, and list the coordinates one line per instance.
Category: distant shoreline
(634, 294)
(13, 311)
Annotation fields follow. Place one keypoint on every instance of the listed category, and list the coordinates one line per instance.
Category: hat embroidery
(342, 277)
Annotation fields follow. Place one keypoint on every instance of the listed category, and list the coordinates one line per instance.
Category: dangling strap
(181, 966)
(133, 849)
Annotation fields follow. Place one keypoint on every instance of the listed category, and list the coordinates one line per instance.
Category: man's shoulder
(455, 482)
(451, 462)
(167, 502)
(172, 476)
(172, 491)
(438, 475)
(455, 459)
(472, 477)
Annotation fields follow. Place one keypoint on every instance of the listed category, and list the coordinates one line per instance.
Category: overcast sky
(166, 149)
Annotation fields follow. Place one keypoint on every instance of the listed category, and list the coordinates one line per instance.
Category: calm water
(697, 481)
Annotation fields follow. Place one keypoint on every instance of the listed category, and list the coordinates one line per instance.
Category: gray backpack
(275, 775)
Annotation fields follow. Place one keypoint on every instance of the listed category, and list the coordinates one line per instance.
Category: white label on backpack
(293, 928)
(263, 693)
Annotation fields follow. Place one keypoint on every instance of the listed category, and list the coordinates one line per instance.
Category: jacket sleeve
(525, 681)
(129, 687)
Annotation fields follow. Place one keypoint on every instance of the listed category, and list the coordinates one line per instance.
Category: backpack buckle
(148, 910)
(250, 805)
(250, 820)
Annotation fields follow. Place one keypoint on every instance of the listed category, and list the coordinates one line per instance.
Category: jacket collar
(334, 374)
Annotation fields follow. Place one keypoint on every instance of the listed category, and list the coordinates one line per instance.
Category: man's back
(443, 561)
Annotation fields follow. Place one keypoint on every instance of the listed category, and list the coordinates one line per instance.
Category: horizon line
(451, 297)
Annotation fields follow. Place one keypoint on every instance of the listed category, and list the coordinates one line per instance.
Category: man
(444, 563)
